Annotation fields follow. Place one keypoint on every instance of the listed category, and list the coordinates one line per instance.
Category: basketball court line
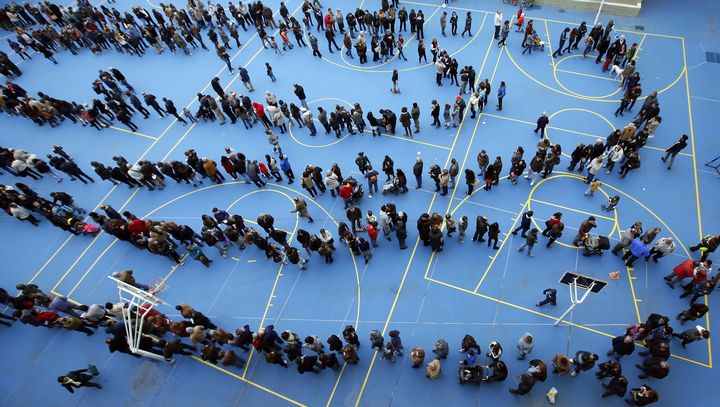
(417, 240)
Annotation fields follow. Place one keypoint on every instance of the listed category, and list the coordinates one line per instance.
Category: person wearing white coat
(474, 102)
(593, 169)
(135, 173)
(614, 156)
(498, 23)
(331, 182)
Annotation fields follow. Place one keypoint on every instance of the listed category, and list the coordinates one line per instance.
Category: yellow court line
(411, 140)
(525, 206)
(557, 80)
(573, 209)
(104, 252)
(407, 42)
(545, 19)
(532, 311)
(133, 132)
(606, 78)
(244, 380)
(502, 245)
(467, 153)
(373, 70)
(695, 176)
(417, 241)
(580, 133)
(532, 78)
(140, 158)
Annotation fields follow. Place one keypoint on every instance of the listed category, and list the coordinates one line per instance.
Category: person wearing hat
(301, 209)
(542, 122)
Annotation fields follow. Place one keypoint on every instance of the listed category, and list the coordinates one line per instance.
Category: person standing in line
(372, 177)
(415, 113)
(172, 110)
(563, 38)
(500, 95)
(498, 23)
(583, 361)
(663, 247)
(417, 171)
(674, 150)
(23, 214)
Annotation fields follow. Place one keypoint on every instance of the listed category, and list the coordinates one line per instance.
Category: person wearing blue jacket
(500, 95)
(637, 249)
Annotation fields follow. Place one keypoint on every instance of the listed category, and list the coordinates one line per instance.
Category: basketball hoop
(136, 304)
(573, 281)
(157, 285)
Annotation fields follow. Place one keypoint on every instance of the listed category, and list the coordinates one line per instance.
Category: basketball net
(137, 304)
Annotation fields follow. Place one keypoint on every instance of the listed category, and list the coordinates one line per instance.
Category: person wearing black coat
(621, 346)
(401, 234)
(417, 171)
(436, 240)
(335, 343)
(481, 227)
(493, 235)
(654, 367)
(525, 223)
(490, 174)
(616, 387)
(576, 156)
(172, 110)
(402, 180)
(470, 180)
(524, 386)
(76, 379)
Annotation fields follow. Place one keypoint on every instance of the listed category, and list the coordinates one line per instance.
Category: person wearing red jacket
(372, 230)
(688, 269)
(137, 226)
(260, 113)
(346, 192)
(46, 318)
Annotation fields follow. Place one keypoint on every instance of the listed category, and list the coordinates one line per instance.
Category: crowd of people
(101, 29)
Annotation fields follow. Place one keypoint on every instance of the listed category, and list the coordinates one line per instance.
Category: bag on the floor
(93, 370)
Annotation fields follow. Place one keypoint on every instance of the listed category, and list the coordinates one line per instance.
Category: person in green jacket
(530, 241)
(196, 253)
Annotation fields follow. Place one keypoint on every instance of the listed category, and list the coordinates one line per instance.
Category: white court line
(705, 99)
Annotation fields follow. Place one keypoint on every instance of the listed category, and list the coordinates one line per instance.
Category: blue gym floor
(467, 288)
